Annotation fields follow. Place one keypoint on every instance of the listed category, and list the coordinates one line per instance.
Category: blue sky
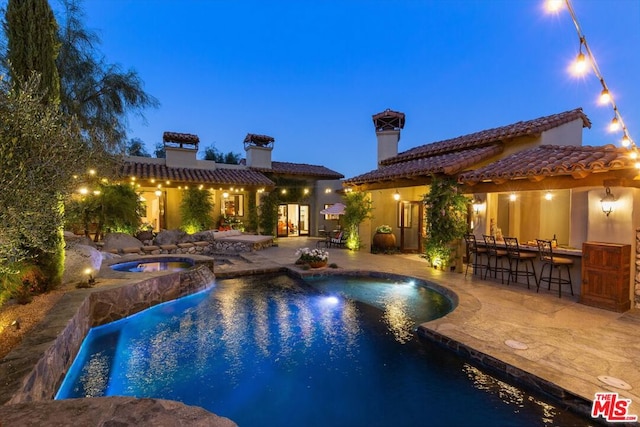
(311, 73)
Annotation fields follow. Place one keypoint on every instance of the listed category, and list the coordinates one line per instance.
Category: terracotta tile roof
(301, 169)
(552, 160)
(180, 137)
(448, 163)
(490, 136)
(220, 176)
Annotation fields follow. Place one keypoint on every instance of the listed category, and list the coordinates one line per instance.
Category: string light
(582, 62)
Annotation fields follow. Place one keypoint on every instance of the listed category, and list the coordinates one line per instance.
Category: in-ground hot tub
(147, 265)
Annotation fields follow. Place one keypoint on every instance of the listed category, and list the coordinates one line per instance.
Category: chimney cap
(388, 120)
(259, 140)
(180, 138)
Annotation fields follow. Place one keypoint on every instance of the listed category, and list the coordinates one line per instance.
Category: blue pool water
(146, 265)
(278, 351)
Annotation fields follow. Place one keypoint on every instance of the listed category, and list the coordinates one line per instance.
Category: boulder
(170, 237)
(78, 258)
(72, 239)
(120, 241)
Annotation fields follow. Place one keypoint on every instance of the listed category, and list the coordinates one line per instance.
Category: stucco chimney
(388, 125)
(180, 149)
(258, 148)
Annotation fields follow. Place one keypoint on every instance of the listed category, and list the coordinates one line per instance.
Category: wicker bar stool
(549, 259)
(516, 257)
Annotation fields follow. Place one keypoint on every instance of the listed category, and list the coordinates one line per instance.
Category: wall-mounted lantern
(608, 202)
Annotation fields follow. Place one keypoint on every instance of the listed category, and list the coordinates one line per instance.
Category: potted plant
(315, 258)
(384, 238)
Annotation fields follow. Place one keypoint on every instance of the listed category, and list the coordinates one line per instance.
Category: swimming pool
(274, 350)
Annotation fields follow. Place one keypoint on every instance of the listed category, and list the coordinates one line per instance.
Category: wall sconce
(396, 196)
(548, 196)
(608, 202)
(476, 205)
(512, 197)
(158, 193)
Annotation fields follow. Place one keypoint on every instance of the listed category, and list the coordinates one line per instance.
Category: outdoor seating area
(333, 239)
(492, 258)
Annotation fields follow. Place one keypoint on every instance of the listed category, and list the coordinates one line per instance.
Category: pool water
(274, 350)
(141, 266)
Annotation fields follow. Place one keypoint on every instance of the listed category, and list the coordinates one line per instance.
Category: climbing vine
(446, 215)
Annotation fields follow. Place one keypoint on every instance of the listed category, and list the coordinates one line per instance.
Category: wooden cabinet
(606, 275)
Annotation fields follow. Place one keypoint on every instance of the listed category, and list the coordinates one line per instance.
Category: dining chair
(496, 254)
(474, 254)
(517, 257)
(545, 250)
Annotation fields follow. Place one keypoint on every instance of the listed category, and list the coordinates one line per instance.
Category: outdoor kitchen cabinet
(606, 274)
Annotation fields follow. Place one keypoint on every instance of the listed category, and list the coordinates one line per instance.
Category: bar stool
(516, 257)
(549, 259)
(495, 254)
(473, 251)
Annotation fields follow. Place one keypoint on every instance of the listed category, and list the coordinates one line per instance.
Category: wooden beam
(623, 177)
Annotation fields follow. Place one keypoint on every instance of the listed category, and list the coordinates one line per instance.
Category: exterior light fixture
(614, 125)
(306, 191)
(548, 196)
(158, 193)
(225, 195)
(512, 197)
(608, 202)
(605, 97)
(396, 196)
(626, 141)
(553, 6)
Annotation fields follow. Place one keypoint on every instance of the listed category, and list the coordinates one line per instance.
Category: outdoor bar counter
(562, 251)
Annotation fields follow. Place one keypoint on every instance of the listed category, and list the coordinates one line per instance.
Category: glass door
(303, 223)
(410, 224)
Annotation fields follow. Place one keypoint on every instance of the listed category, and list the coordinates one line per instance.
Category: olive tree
(40, 152)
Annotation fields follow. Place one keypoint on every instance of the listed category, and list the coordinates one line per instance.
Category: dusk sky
(312, 73)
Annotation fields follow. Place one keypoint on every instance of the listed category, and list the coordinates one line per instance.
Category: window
(234, 205)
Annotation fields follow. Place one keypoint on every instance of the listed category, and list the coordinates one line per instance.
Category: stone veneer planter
(98, 307)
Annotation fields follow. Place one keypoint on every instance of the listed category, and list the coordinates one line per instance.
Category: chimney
(180, 149)
(258, 148)
(388, 125)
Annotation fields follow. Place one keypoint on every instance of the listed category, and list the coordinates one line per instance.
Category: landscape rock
(170, 237)
(120, 241)
(77, 259)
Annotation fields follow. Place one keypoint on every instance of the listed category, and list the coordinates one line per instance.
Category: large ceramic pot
(384, 240)
(317, 264)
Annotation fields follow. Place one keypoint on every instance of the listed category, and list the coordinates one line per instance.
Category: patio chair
(339, 240)
(516, 257)
(495, 254)
(474, 254)
(547, 258)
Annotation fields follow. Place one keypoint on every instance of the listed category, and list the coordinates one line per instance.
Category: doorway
(410, 223)
(293, 220)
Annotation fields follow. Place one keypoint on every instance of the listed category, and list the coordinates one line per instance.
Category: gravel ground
(28, 316)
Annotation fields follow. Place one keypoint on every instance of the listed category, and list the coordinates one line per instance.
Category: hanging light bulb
(626, 141)
(580, 65)
(396, 195)
(512, 197)
(553, 6)
(548, 196)
(605, 97)
(614, 126)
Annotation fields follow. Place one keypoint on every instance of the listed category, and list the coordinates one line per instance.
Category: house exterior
(161, 182)
(531, 179)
